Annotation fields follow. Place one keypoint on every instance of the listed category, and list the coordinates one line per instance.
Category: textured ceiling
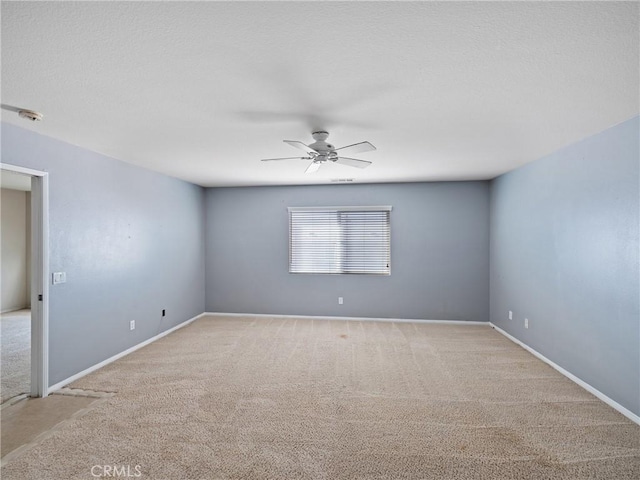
(203, 90)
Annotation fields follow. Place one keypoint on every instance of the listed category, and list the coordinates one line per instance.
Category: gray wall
(564, 254)
(15, 227)
(439, 253)
(130, 240)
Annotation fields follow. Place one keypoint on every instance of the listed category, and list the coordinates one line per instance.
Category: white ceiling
(203, 90)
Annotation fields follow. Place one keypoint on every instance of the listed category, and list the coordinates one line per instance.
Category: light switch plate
(59, 277)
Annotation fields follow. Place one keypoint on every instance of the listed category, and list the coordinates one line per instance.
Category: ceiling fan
(23, 112)
(321, 152)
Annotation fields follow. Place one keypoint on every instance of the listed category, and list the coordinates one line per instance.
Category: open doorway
(23, 282)
(15, 285)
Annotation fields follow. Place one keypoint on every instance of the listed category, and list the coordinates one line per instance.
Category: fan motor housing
(320, 145)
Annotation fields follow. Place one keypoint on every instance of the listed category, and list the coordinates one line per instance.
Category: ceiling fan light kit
(30, 115)
(320, 152)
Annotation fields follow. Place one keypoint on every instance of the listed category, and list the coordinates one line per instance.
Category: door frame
(39, 277)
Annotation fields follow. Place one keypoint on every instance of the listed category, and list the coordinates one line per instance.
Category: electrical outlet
(132, 325)
(526, 323)
(340, 300)
(510, 315)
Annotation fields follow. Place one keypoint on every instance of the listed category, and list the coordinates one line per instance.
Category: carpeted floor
(273, 398)
(26, 420)
(15, 347)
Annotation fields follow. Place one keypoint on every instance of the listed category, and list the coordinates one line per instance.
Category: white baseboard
(612, 403)
(352, 319)
(95, 367)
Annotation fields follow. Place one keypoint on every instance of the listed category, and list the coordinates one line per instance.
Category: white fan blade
(313, 167)
(285, 158)
(353, 162)
(301, 146)
(357, 148)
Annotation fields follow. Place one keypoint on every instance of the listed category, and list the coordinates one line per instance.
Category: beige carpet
(30, 418)
(246, 398)
(15, 348)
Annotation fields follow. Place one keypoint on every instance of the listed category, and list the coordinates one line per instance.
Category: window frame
(339, 209)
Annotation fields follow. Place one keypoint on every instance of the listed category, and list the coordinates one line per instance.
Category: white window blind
(340, 240)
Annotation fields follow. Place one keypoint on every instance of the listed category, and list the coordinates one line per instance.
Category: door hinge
(40, 297)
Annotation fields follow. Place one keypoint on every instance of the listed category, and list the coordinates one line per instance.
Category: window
(340, 240)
